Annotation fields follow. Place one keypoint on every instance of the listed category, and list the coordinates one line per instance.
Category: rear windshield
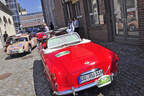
(63, 40)
(21, 39)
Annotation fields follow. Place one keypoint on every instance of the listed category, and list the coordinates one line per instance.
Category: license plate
(90, 76)
(44, 36)
(104, 80)
(13, 51)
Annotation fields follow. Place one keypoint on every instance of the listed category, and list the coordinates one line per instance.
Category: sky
(31, 5)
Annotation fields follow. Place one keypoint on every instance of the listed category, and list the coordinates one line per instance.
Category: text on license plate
(90, 76)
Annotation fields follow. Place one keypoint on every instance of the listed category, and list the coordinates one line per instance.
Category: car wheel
(132, 28)
(37, 44)
(29, 49)
(50, 90)
(11, 55)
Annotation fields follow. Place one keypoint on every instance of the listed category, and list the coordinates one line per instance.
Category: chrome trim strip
(79, 88)
(107, 69)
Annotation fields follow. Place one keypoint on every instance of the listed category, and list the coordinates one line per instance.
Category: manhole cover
(4, 76)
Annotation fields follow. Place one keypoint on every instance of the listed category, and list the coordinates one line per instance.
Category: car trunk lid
(78, 57)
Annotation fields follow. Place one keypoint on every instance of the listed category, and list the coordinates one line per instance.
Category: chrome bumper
(79, 88)
(15, 51)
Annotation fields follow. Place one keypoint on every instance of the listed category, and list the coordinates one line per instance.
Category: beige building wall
(31, 20)
(6, 24)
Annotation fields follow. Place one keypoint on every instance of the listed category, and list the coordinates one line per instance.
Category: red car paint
(68, 68)
(41, 35)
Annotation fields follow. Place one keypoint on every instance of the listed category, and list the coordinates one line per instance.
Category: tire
(38, 44)
(29, 49)
(11, 55)
(50, 89)
(132, 27)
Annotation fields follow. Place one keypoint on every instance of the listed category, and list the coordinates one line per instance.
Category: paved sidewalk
(16, 75)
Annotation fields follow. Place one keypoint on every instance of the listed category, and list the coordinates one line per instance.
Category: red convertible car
(72, 64)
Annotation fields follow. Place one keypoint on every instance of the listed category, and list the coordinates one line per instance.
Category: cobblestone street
(16, 75)
(20, 76)
(130, 80)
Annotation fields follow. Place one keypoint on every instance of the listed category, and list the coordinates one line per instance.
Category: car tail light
(44, 37)
(116, 57)
(56, 85)
(114, 67)
(53, 76)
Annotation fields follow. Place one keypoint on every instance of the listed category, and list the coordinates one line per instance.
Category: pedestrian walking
(5, 36)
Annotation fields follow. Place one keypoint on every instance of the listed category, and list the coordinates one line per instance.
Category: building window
(76, 10)
(95, 11)
(0, 20)
(132, 18)
(4, 19)
(9, 21)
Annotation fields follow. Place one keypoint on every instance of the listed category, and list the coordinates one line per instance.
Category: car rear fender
(61, 74)
(26, 46)
(114, 66)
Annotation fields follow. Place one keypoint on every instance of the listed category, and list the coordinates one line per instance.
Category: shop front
(73, 9)
(106, 20)
(126, 25)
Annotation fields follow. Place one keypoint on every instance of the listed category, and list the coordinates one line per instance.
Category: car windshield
(21, 39)
(63, 40)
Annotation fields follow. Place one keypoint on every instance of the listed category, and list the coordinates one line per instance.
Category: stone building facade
(105, 20)
(6, 23)
(32, 20)
(53, 12)
(13, 7)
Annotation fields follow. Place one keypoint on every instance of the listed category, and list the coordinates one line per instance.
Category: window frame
(93, 20)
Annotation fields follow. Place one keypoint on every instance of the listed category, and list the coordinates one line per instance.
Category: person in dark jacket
(5, 36)
(51, 26)
(76, 24)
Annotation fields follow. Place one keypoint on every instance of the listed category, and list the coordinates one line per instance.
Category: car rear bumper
(11, 52)
(73, 90)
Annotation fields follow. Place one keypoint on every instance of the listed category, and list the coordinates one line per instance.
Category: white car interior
(63, 41)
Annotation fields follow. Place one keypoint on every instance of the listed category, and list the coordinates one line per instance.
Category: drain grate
(5, 75)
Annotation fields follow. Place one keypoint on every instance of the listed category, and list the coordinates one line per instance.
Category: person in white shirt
(71, 27)
(46, 28)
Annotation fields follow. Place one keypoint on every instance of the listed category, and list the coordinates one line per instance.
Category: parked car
(8, 42)
(72, 65)
(21, 44)
(42, 36)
